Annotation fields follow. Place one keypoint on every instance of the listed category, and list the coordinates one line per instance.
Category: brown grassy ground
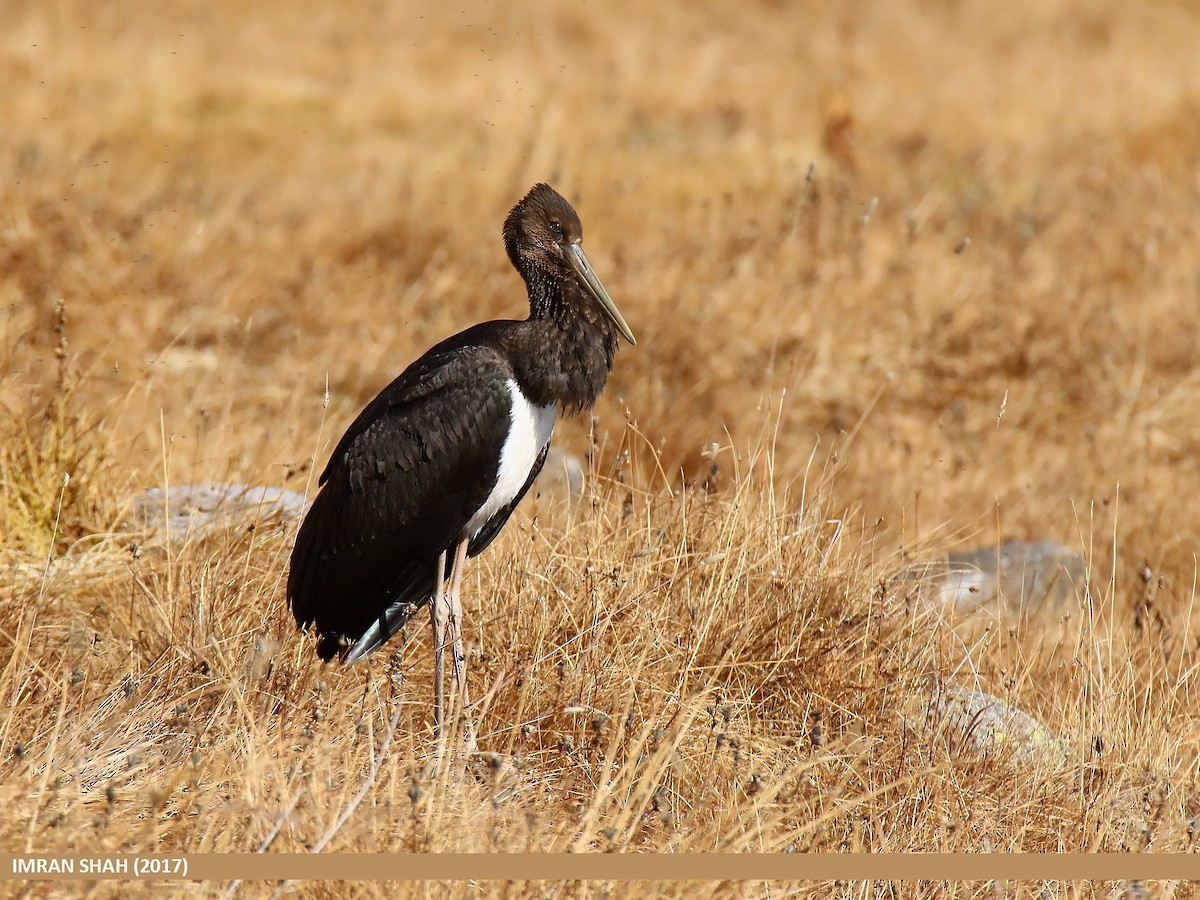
(243, 205)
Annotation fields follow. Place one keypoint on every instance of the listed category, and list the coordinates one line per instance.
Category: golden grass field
(972, 320)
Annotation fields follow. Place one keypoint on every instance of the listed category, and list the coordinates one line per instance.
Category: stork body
(433, 467)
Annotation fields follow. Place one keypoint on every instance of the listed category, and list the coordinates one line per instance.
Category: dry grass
(242, 205)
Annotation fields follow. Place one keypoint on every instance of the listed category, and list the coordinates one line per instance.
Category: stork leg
(439, 613)
(457, 651)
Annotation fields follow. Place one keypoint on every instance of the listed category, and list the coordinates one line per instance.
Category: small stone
(1014, 582)
(260, 659)
(989, 723)
(200, 509)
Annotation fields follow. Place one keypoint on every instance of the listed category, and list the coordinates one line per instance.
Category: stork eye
(557, 229)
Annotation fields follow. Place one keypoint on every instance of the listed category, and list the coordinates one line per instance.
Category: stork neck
(564, 351)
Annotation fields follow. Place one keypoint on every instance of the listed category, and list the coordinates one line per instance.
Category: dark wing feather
(401, 485)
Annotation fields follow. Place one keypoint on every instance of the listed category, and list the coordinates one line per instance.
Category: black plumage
(402, 491)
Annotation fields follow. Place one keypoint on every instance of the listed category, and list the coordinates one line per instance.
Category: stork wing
(402, 483)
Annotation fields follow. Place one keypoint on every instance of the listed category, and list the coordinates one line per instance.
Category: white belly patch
(530, 428)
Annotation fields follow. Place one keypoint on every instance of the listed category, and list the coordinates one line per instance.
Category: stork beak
(583, 268)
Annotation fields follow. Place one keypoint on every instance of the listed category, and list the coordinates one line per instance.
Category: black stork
(433, 467)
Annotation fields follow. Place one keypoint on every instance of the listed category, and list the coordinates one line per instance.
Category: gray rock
(1015, 580)
(193, 510)
(989, 724)
(1130, 890)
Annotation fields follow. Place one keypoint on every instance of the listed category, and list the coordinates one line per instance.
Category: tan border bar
(638, 867)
